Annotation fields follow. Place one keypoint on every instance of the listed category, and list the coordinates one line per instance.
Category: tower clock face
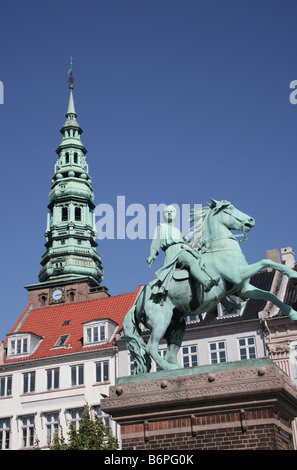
(57, 295)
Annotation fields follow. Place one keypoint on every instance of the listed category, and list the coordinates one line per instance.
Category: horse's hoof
(293, 315)
(173, 367)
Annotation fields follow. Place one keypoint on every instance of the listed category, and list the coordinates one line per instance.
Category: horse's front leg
(251, 292)
(251, 269)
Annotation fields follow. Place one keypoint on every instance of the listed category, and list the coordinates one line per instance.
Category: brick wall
(224, 431)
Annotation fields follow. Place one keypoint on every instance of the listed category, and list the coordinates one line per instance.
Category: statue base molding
(230, 406)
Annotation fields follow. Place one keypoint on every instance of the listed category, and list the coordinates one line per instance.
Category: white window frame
(29, 382)
(52, 426)
(28, 428)
(188, 352)
(75, 416)
(102, 366)
(247, 347)
(95, 333)
(77, 375)
(217, 350)
(102, 415)
(5, 385)
(19, 345)
(4, 433)
(51, 378)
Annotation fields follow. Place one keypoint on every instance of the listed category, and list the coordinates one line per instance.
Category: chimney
(288, 257)
(273, 255)
(98, 292)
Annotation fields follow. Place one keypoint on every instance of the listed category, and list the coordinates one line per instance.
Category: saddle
(181, 274)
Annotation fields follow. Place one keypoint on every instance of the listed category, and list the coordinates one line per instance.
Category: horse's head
(231, 217)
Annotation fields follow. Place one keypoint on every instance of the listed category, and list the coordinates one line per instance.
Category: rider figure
(177, 251)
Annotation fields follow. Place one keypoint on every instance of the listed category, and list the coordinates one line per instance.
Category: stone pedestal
(239, 405)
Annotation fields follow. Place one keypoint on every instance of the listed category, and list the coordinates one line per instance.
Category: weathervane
(71, 77)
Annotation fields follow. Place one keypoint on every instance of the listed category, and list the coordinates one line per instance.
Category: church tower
(70, 256)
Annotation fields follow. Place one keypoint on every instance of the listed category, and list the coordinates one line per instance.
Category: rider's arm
(155, 245)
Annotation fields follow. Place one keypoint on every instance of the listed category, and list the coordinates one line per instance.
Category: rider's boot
(207, 282)
(210, 284)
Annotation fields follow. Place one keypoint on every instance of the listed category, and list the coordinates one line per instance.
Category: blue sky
(179, 101)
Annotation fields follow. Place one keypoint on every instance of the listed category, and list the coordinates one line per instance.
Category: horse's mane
(195, 234)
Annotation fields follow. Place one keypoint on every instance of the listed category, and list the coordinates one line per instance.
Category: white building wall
(60, 401)
(201, 338)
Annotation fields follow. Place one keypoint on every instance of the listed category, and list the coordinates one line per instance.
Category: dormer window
(94, 334)
(233, 307)
(19, 346)
(22, 344)
(99, 331)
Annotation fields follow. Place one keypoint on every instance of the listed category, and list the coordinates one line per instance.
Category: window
(75, 158)
(71, 296)
(217, 352)
(190, 356)
(43, 300)
(131, 364)
(95, 334)
(19, 346)
(77, 375)
(77, 213)
(102, 371)
(61, 341)
(52, 378)
(67, 158)
(4, 433)
(5, 386)
(75, 417)
(27, 426)
(29, 382)
(233, 307)
(247, 348)
(64, 214)
(52, 426)
(192, 318)
(102, 415)
(162, 353)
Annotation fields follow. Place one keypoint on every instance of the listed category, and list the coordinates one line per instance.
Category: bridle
(242, 229)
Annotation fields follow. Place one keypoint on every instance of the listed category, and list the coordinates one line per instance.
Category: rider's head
(169, 213)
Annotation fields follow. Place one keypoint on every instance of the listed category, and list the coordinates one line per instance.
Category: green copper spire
(71, 114)
(70, 233)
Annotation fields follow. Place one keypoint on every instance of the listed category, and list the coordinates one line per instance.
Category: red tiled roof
(47, 322)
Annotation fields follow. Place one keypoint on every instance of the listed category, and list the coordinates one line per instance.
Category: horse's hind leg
(159, 320)
(251, 292)
(174, 336)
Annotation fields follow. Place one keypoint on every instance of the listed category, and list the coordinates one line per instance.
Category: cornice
(251, 384)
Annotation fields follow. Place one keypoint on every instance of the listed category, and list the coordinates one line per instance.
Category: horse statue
(219, 252)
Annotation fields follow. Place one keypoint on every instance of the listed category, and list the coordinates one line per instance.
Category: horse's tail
(135, 343)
